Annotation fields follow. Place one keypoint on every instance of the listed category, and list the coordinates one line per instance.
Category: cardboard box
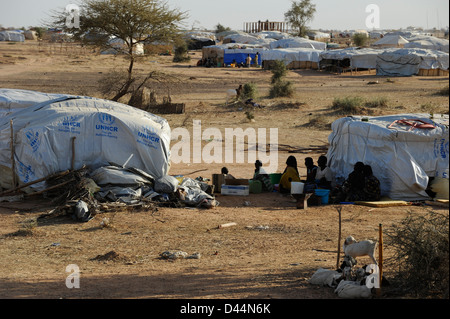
(237, 190)
(218, 180)
(236, 181)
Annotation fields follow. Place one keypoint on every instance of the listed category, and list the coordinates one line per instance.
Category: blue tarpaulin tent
(229, 57)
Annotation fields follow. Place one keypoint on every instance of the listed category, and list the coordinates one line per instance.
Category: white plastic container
(297, 187)
(240, 190)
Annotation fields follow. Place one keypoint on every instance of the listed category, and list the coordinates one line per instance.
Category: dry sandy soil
(274, 262)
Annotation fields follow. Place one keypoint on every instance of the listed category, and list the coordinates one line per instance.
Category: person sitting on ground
(372, 191)
(353, 187)
(225, 173)
(290, 174)
(323, 175)
(263, 177)
(311, 170)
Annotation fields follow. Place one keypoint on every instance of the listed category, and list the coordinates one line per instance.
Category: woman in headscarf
(290, 174)
(372, 191)
(261, 175)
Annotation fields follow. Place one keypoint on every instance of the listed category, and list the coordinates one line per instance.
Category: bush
(181, 52)
(357, 104)
(377, 102)
(282, 89)
(278, 70)
(421, 245)
(444, 91)
(360, 39)
(349, 104)
(249, 91)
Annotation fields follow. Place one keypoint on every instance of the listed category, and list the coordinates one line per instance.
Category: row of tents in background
(392, 55)
(395, 54)
(270, 39)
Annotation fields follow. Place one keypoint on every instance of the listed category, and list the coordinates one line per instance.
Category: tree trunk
(130, 80)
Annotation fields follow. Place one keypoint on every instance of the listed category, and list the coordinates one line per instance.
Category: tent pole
(339, 209)
(13, 163)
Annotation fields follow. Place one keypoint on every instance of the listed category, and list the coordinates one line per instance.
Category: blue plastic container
(323, 194)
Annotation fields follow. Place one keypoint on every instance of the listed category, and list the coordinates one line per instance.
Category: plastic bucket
(275, 178)
(297, 187)
(323, 194)
(255, 187)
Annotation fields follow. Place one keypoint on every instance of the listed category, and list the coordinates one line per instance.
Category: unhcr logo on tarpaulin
(148, 136)
(70, 124)
(441, 148)
(106, 127)
(34, 138)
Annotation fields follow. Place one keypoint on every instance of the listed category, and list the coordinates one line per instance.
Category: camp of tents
(424, 55)
(42, 134)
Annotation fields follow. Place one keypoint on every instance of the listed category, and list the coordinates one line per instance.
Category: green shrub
(360, 39)
(181, 52)
(249, 91)
(278, 70)
(282, 89)
(349, 104)
(377, 102)
(444, 91)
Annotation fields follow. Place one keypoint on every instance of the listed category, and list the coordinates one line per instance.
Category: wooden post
(339, 238)
(13, 162)
(72, 163)
(380, 252)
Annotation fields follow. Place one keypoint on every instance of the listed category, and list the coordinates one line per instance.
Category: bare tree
(132, 21)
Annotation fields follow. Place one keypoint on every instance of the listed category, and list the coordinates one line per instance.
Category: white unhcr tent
(402, 157)
(298, 43)
(118, 46)
(294, 58)
(12, 100)
(105, 132)
(428, 42)
(365, 58)
(391, 41)
(407, 62)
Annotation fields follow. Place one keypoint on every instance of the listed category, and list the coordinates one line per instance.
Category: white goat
(352, 290)
(363, 248)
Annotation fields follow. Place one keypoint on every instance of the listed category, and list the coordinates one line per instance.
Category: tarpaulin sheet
(402, 158)
(105, 132)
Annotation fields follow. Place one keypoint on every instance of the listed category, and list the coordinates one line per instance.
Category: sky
(206, 14)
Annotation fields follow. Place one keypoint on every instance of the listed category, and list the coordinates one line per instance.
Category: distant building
(255, 27)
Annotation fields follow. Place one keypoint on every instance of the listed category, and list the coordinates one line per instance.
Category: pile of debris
(348, 281)
(84, 193)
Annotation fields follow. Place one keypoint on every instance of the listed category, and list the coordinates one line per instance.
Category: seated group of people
(317, 176)
(361, 184)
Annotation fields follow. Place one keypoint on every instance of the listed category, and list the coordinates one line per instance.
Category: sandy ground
(242, 261)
